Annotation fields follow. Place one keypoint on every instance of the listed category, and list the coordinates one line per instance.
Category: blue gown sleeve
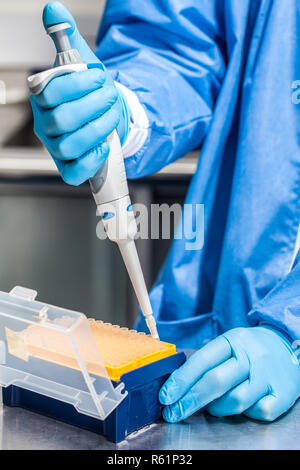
(171, 54)
(280, 308)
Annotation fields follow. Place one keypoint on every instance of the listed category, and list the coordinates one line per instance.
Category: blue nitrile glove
(246, 370)
(76, 112)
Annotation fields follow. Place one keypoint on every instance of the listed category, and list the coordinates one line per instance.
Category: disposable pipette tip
(132, 262)
(151, 323)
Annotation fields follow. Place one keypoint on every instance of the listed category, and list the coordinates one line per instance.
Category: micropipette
(109, 186)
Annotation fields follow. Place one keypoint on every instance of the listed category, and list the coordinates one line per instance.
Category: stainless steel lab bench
(21, 429)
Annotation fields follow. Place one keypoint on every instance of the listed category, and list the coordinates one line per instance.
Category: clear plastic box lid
(51, 351)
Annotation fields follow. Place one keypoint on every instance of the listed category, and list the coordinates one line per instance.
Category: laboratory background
(48, 233)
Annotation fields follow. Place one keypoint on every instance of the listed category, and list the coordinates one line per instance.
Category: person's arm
(280, 308)
(171, 55)
(255, 371)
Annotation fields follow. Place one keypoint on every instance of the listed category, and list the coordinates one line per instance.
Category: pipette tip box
(83, 372)
(140, 407)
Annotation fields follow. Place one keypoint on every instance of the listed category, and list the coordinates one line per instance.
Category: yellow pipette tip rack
(124, 350)
(59, 363)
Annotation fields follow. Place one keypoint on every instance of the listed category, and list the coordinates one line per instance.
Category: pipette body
(109, 186)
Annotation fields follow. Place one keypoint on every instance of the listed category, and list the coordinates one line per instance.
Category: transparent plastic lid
(51, 351)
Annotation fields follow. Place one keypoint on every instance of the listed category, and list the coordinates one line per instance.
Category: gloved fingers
(74, 145)
(208, 357)
(55, 13)
(80, 170)
(239, 399)
(215, 383)
(71, 86)
(69, 117)
(271, 407)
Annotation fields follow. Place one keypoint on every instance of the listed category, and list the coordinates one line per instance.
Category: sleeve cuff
(296, 250)
(139, 123)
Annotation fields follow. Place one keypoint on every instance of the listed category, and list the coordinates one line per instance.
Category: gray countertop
(21, 429)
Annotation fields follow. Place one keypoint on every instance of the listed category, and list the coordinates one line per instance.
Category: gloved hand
(76, 112)
(245, 370)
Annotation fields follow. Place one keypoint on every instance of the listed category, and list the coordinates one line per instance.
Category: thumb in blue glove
(76, 112)
(245, 370)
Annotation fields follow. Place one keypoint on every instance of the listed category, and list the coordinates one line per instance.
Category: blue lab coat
(218, 74)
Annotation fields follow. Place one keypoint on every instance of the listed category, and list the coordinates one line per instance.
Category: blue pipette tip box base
(139, 408)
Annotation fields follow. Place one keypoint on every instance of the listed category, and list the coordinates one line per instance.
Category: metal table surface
(21, 429)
